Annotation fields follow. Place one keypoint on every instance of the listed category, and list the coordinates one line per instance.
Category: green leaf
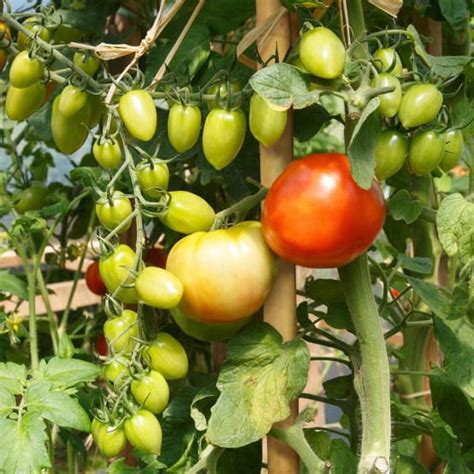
(448, 449)
(284, 86)
(13, 285)
(56, 406)
(342, 459)
(453, 406)
(66, 347)
(339, 387)
(455, 224)
(257, 381)
(7, 402)
(12, 377)
(201, 406)
(404, 464)
(421, 265)
(456, 12)
(362, 144)
(309, 121)
(403, 207)
(67, 372)
(246, 459)
(320, 443)
(23, 447)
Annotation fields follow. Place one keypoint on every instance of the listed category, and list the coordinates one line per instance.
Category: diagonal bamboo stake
(280, 307)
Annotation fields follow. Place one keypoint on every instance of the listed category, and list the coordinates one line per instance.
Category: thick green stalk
(371, 371)
(52, 318)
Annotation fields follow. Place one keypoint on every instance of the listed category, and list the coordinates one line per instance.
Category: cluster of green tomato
(166, 360)
(419, 105)
(322, 54)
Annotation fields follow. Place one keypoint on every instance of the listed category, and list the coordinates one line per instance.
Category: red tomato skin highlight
(316, 216)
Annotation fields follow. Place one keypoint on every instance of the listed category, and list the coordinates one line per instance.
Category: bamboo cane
(280, 308)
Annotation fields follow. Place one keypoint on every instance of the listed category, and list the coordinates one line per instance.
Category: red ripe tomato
(94, 281)
(156, 257)
(315, 215)
(101, 345)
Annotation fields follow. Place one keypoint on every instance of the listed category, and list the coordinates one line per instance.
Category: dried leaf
(392, 7)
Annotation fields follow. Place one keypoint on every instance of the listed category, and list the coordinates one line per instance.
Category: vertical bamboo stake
(280, 308)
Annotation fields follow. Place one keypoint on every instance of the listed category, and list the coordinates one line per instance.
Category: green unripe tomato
(116, 371)
(223, 136)
(121, 331)
(166, 355)
(32, 24)
(206, 331)
(71, 101)
(266, 123)
(184, 126)
(388, 60)
(452, 150)
(87, 62)
(138, 112)
(389, 102)
(114, 271)
(222, 90)
(420, 104)
(107, 152)
(69, 133)
(151, 391)
(143, 431)
(390, 153)
(158, 288)
(153, 177)
(188, 213)
(113, 210)
(110, 440)
(32, 198)
(22, 103)
(426, 151)
(322, 53)
(25, 71)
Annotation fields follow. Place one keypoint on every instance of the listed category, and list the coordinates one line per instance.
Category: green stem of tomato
(52, 318)
(294, 437)
(51, 50)
(238, 211)
(371, 368)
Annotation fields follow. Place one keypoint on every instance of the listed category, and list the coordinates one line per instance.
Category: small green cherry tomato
(113, 210)
(388, 60)
(25, 71)
(322, 53)
(452, 150)
(389, 102)
(266, 123)
(426, 151)
(32, 198)
(107, 152)
(223, 136)
(420, 104)
(116, 371)
(34, 25)
(151, 391)
(87, 62)
(153, 177)
(114, 270)
(188, 213)
(138, 112)
(166, 355)
(143, 431)
(390, 153)
(206, 331)
(158, 288)
(221, 90)
(121, 331)
(110, 440)
(69, 133)
(184, 126)
(22, 103)
(71, 101)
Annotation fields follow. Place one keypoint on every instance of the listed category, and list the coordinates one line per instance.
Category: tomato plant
(121, 332)
(290, 225)
(158, 288)
(110, 440)
(86, 62)
(389, 102)
(114, 210)
(420, 104)
(138, 113)
(390, 153)
(388, 60)
(426, 151)
(71, 101)
(153, 177)
(25, 71)
(151, 391)
(452, 151)
(184, 126)
(31, 198)
(107, 152)
(22, 103)
(143, 431)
